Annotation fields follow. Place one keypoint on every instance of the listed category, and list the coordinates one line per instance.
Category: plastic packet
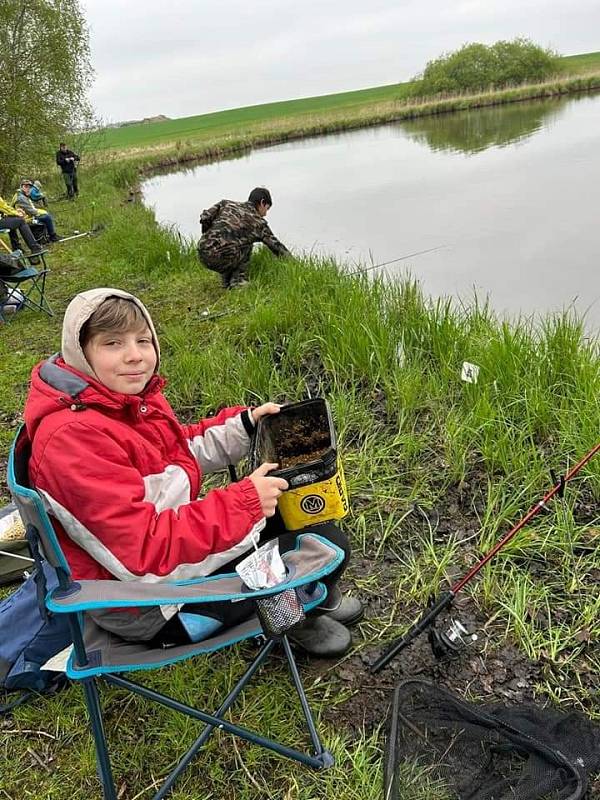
(263, 568)
(11, 526)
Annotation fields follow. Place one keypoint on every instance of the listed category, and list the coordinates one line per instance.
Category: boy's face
(124, 362)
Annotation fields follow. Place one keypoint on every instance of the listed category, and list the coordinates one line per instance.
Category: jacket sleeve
(89, 484)
(23, 202)
(6, 210)
(208, 216)
(272, 242)
(221, 440)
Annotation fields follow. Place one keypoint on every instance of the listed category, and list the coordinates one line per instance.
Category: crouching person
(120, 478)
(230, 230)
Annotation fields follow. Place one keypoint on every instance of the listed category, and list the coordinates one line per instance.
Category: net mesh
(279, 612)
(487, 752)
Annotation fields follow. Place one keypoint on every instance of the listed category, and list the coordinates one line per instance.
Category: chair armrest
(313, 558)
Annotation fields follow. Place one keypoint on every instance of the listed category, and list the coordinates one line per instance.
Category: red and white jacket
(120, 477)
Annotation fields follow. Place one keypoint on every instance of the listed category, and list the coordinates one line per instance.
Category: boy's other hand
(266, 408)
(268, 488)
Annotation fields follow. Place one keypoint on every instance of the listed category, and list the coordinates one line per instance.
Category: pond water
(510, 195)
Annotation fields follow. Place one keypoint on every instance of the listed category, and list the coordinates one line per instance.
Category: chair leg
(102, 759)
(323, 755)
(45, 306)
(208, 729)
(38, 285)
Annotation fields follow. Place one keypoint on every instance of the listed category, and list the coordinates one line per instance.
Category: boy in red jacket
(120, 477)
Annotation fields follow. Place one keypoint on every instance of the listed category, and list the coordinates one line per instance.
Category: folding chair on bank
(26, 285)
(98, 654)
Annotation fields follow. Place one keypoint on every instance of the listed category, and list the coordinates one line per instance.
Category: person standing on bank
(67, 160)
(230, 229)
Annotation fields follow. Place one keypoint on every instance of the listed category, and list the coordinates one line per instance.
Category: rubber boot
(347, 610)
(321, 637)
(238, 279)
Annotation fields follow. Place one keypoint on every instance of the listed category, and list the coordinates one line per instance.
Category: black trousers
(14, 224)
(230, 614)
(70, 179)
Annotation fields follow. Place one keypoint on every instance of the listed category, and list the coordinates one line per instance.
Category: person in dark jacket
(230, 229)
(67, 160)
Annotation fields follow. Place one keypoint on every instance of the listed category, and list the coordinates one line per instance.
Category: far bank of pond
(509, 194)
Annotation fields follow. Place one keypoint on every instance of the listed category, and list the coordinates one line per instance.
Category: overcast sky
(187, 57)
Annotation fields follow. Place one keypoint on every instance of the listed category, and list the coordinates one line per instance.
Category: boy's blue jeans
(47, 221)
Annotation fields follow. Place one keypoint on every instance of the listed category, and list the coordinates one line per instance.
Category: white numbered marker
(469, 372)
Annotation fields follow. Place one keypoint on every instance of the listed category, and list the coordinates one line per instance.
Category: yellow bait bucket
(301, 439)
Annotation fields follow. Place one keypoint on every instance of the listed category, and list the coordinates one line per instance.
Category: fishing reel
(450, 641)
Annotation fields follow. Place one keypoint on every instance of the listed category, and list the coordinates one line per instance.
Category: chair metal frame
(40, 530)
(35, 296)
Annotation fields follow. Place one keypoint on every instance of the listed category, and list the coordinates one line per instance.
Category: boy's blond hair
(114, 314)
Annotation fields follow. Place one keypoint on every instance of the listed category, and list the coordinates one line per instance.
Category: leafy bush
(479, 67)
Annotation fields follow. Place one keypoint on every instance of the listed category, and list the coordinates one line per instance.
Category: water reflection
(472, 132)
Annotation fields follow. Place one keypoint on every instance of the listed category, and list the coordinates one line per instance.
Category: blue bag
(29, 636)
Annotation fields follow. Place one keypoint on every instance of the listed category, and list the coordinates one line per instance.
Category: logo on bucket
(312, 504)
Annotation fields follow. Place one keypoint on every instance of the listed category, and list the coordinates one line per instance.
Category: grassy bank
(274, 121)
(437, 470)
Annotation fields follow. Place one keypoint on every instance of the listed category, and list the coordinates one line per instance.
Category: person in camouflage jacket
(230, 229)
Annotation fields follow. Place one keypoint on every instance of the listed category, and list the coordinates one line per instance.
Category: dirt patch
(487, 670)
(480, 671)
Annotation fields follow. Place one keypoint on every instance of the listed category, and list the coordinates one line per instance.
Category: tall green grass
(417, 443)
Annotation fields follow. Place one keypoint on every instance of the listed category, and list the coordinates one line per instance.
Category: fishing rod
(394, 260)
(445, 600)
(81, 235)
(75, 236)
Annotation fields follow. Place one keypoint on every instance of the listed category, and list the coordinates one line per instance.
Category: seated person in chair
(33, 215)
(120, 477)
(38, 196)
(13, 220)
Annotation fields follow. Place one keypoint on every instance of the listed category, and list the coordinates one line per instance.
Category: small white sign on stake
(400, 354)
(469, 372)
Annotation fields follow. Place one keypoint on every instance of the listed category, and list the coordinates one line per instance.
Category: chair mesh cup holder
(279, 612)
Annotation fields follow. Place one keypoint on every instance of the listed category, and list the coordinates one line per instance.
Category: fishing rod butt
(439, 605)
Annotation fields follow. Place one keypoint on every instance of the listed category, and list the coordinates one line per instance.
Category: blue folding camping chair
(98, 654)
(25, 285)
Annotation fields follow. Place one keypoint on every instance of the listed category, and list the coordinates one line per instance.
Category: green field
(238, 119)
(241, 120)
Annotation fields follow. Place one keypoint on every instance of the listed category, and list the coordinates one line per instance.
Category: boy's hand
(266, 408)
(268, 489)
